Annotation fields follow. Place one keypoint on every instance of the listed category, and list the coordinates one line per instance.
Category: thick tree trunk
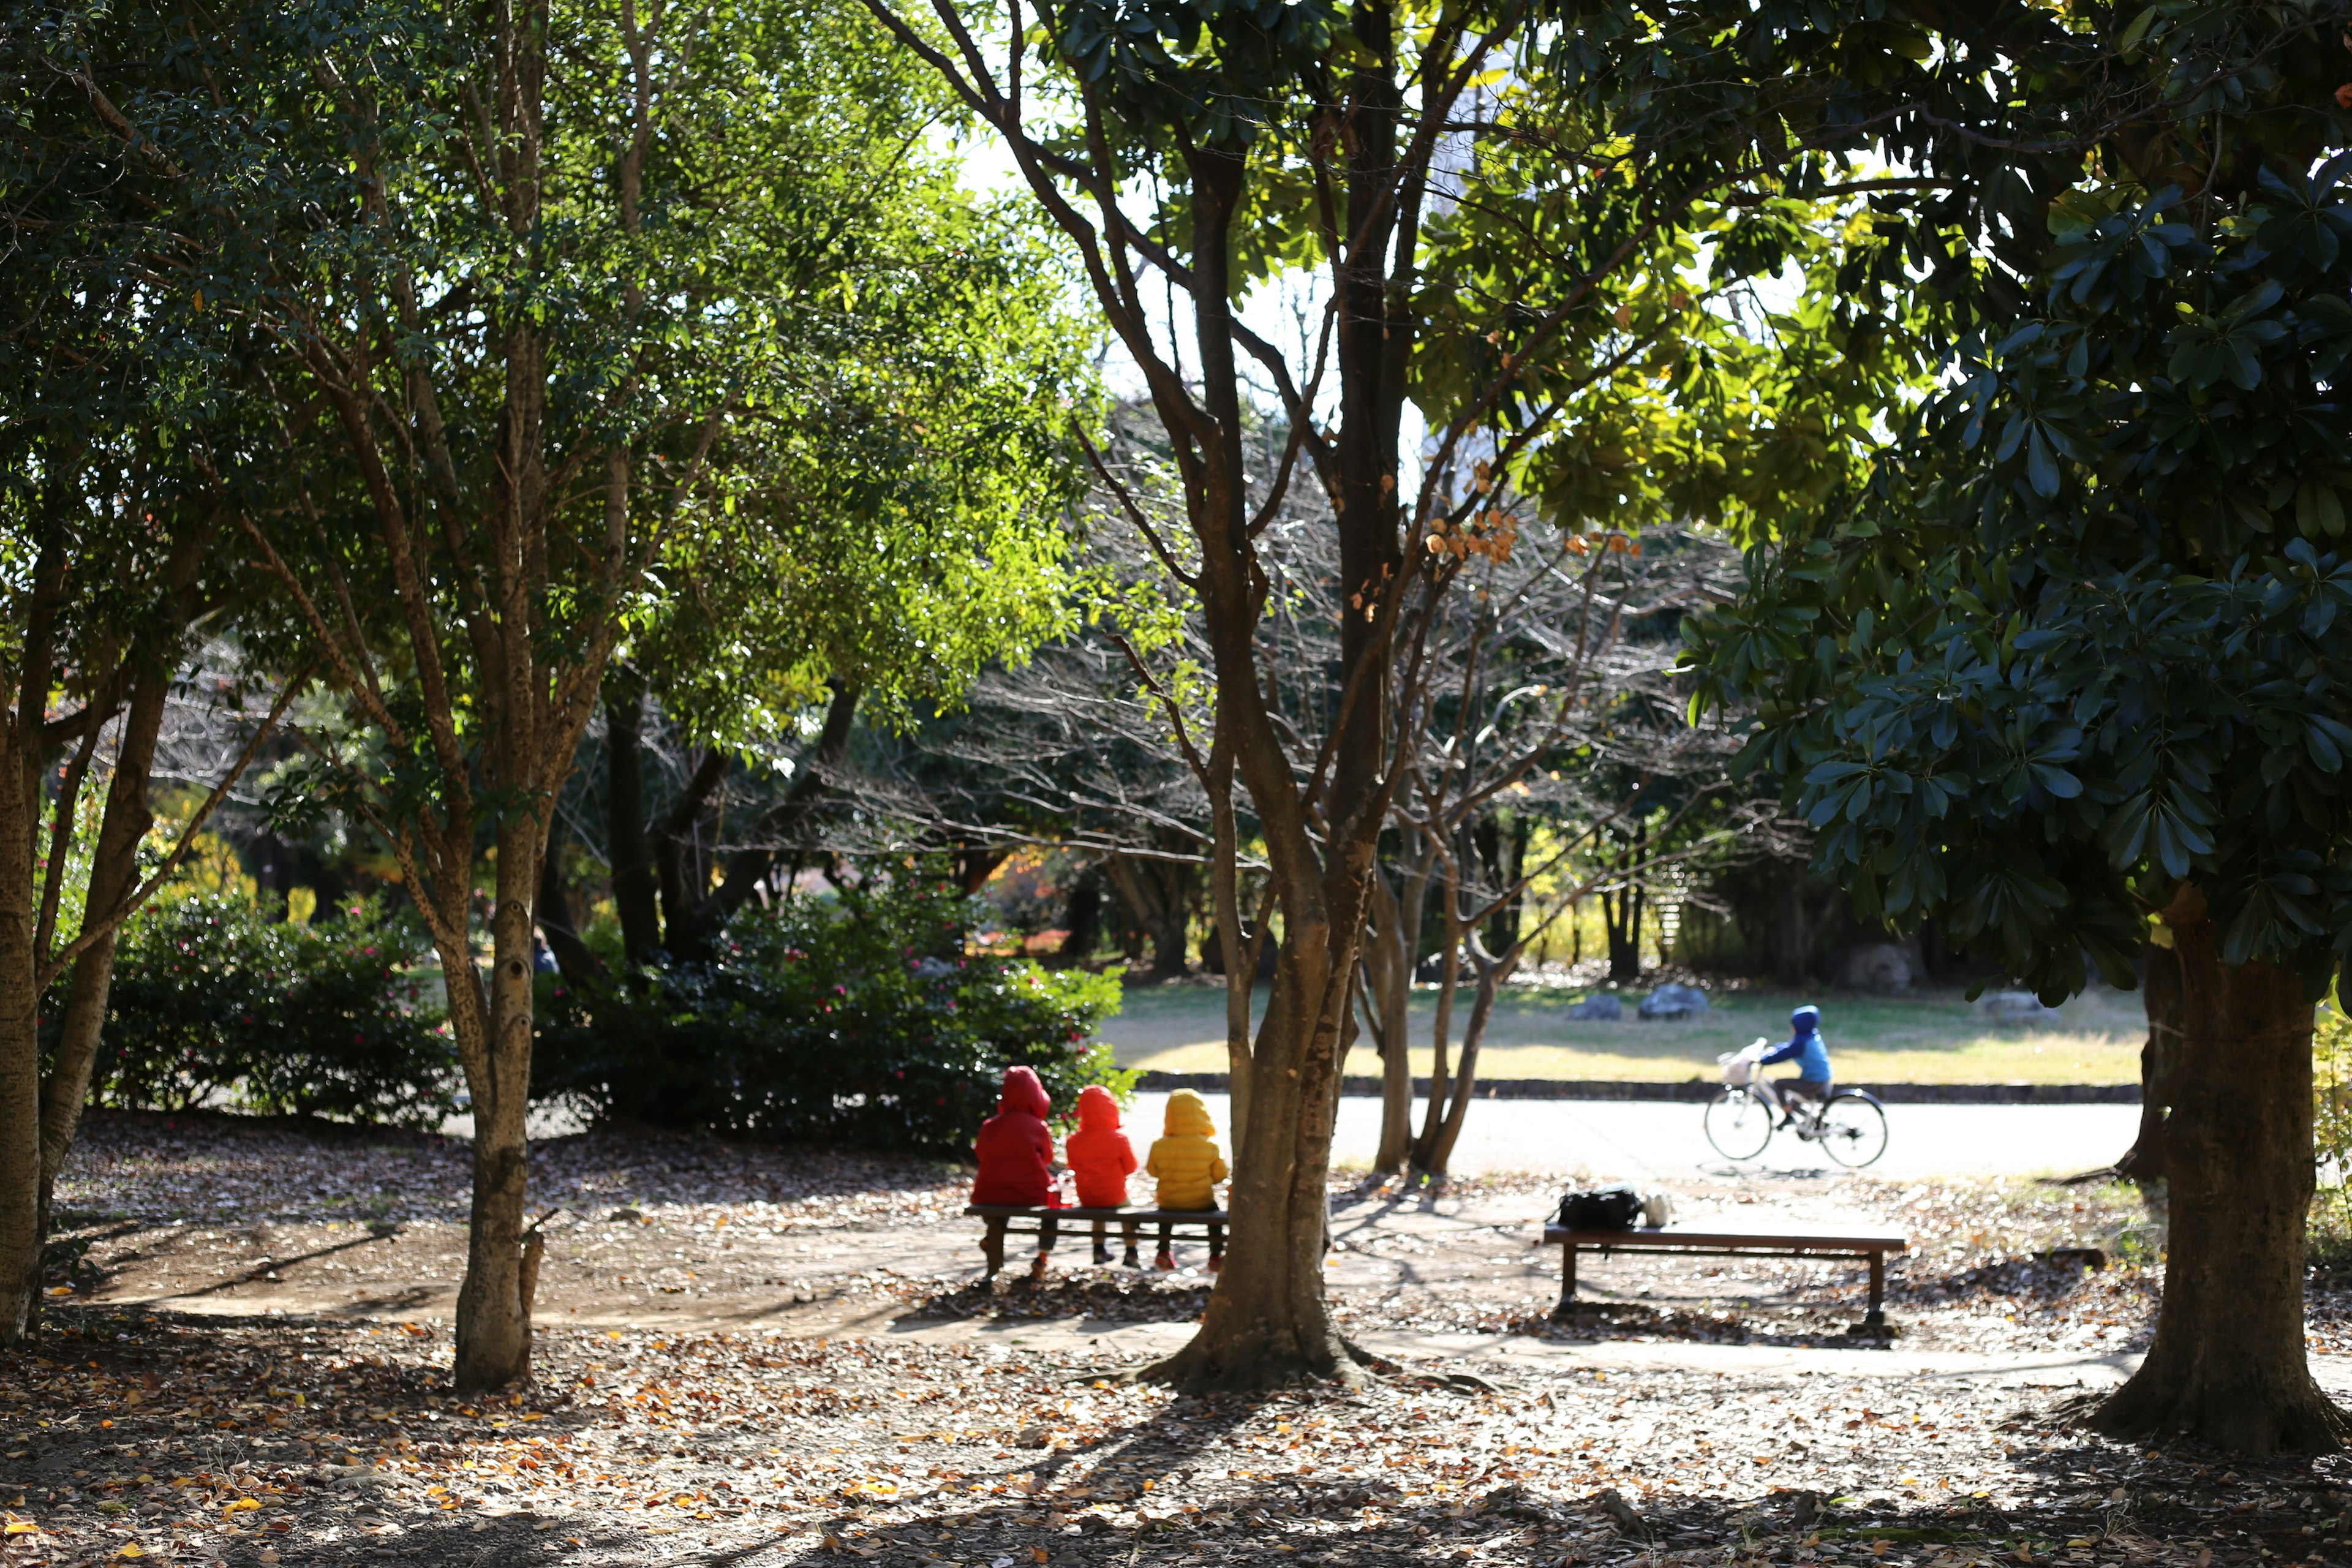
(20, 1048)
(634, 897)
(2228, 1365)
(1268, 1322)
(493, 1324)
(2160, 990)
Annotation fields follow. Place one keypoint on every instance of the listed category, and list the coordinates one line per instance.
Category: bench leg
(992, 1246)
(1566, 1281)
(1876, 1317)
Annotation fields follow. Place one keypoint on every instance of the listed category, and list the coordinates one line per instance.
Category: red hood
(1097, 1109)
(1022, 1093)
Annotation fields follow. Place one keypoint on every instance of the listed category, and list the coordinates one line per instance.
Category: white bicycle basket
(1739, 1067)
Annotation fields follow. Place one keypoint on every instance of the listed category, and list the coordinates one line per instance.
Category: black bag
(1602, 1208)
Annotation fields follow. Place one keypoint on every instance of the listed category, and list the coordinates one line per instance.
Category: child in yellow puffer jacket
(1188, 1168)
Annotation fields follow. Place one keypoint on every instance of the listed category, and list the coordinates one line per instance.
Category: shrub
(861, 1021)
(213, 1002)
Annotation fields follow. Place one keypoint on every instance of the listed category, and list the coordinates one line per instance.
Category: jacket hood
(1022, 1093)
(1188, 1116)
(1806, 1020)
(1097, 1109)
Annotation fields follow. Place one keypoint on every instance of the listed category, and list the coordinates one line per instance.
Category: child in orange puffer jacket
(1101, 1159)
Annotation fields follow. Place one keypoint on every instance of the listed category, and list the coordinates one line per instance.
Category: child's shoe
(1131, 1260)
(1165, 1263)
(1216, 1266)
(1037, 1268)
(1102, 1253)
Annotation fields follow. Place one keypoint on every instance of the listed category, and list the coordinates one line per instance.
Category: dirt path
(750, 1357)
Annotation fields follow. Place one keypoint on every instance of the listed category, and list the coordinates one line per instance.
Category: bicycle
(1850, 1126)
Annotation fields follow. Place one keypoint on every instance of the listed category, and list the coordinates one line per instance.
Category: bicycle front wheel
(1854, 1129)
(1738, 1125)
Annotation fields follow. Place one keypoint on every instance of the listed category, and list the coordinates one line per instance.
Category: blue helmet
(1806, 1020)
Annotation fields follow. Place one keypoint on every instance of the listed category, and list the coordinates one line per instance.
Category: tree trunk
(575, 959)
(975, 867)
(693, 923)
(1389, 980)
(1792, 942)
(1441, 1037)
(635, 897)
(1083, 911)
(2160, 990)
(493, 1326)
(1438, 1153)
(1620, 912)
(20, 1045)
(113, 874)
(679, 873)
(1268, 1322)
(2228, 1366)
(1157, 894)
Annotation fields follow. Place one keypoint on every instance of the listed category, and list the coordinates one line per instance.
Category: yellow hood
(1188, 1116)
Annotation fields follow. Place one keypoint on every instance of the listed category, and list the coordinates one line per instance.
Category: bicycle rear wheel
(1854, 1129)
(1738, 1125)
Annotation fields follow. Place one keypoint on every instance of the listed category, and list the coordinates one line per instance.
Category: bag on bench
(1601, 1208)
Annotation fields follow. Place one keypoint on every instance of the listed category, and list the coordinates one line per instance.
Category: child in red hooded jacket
(1102, 1159)
(1015, 1151)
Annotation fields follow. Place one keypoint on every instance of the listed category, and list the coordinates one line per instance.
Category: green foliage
(2331, 1087)
(212, 1002)
(2081, 637)
(864, 1022)
(2331, 1137)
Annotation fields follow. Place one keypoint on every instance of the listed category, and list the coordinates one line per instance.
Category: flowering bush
(213, 1004)
(860, 1021)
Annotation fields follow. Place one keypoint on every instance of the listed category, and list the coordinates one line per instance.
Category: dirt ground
(753, 1354)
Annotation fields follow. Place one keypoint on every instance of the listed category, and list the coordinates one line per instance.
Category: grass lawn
(1933, 1037)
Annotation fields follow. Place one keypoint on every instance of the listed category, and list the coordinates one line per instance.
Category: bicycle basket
(1739, 1067)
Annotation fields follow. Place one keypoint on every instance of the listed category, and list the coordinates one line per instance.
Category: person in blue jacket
(1804, 1048)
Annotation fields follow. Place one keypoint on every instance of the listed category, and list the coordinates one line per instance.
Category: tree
(2069, 674)
(1184, 150)
(877, 561)
(106, 422)
(531, 287)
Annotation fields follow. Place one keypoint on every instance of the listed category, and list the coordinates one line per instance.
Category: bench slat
(1154, 1217)
(1649, 1239)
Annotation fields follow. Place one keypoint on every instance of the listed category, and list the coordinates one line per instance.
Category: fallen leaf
(1038, 1553)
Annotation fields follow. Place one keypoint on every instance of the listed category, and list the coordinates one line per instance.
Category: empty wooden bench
(1008, 1219)
(1725, 1244)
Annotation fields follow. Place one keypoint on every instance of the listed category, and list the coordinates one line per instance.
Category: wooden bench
(1004, 1221)
(1725, 1244)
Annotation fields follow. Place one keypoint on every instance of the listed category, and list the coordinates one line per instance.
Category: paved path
(1635, 1141)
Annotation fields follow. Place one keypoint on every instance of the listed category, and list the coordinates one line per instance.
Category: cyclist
(1805, 1048)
